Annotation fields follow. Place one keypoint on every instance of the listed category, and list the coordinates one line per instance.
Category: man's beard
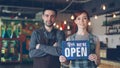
(49, 25)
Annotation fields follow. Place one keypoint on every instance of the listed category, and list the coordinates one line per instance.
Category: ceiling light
(103, 7)
(89, 23)
(67, 0)
(57, 26)
(54, 24)
(65, 22)
(96, 17)
(114, 15)
(68, 27)
(61, 28)
(72, 17)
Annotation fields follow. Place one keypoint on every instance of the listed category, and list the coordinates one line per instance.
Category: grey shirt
(46, 41)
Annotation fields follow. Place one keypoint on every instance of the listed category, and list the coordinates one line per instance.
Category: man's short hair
(53, 9)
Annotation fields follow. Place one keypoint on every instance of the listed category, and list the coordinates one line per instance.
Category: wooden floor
(109, 64)
(104, 64)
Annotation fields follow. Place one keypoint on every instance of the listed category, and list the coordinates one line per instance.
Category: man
(45, 42)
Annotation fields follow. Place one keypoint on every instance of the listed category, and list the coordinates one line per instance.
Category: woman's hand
(93, 57)
(62, 59)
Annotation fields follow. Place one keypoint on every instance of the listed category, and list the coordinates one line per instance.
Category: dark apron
(47, 61)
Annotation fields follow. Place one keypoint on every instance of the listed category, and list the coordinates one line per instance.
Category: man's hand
(37, 46)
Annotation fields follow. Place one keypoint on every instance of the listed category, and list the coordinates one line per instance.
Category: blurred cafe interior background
(18, 18)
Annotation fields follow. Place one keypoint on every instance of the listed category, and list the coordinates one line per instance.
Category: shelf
(9, 20)
(14, 41)
(10, 32)
(111, 23)
(10, 50)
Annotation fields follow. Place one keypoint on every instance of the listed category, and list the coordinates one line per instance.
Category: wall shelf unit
(112, 23)
(14, 39)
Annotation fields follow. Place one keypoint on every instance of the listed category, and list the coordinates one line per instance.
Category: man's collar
(44, 29)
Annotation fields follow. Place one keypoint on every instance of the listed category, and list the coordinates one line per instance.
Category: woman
(82, 19)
